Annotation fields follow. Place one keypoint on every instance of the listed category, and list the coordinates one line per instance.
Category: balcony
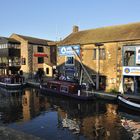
(14, 64)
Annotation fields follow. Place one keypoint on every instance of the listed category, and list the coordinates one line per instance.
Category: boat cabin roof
(59, 82)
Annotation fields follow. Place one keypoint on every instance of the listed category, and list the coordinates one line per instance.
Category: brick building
(110, 55)
(36, 54)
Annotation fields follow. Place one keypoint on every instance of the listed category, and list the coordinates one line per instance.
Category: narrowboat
(124, 102)
(12, 81)
(64, 88)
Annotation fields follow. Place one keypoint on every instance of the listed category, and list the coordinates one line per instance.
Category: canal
(57, 118)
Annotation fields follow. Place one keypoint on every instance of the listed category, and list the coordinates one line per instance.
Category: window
(40, 60)
(94, 54)
(129, 58)
(23, 61)
(40, 49)
(102, 53)
(69, 60)
(47, 70)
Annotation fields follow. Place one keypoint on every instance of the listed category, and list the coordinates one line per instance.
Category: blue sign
(69, 50)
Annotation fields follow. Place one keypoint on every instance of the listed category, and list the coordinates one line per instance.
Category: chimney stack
(75, 29)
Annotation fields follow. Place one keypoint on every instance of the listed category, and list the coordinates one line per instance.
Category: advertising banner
(131, 71)
(69, 50)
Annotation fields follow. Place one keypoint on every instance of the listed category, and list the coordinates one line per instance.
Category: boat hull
(12, 86)
(128, 104)
(70, 95)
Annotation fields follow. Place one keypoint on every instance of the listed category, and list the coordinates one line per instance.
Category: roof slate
(10, 40)
(105, 34)
(33, 40)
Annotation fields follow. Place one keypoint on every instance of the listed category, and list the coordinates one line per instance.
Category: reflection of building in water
(71, 124)
(10, 103)
(101, 126)
(30, 104)
(95, 121)
(132, 127)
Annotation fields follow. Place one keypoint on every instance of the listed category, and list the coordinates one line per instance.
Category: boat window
(64, 89)
(53, 87)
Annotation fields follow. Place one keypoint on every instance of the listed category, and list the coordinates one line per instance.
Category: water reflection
(131, 124)
(30, 104)
(32, 112)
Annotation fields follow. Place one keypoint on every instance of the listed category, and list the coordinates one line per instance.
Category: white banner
(132, 71)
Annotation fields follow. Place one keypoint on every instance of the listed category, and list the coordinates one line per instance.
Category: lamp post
(97, 64)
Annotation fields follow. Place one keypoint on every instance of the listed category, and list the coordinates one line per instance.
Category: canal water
(57, 118)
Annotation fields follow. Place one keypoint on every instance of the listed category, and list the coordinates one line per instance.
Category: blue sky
(53, 19)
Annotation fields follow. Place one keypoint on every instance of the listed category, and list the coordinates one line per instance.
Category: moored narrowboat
(12, 81)
(64, 88)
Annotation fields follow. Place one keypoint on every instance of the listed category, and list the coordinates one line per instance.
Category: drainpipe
(98, 64)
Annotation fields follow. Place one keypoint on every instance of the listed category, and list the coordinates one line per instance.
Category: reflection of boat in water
(4, 90)
(64, 88)
(12, 81)
(128, 104)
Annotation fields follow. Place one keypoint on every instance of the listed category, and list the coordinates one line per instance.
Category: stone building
(110, 56)
(36, 54)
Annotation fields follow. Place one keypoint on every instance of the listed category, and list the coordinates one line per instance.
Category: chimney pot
(75, 29)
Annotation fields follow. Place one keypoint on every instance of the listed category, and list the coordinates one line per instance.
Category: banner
(69, 50)
(131, 71)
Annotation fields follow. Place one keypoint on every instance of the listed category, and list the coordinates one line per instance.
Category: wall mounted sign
(69, 50)
(131, 71)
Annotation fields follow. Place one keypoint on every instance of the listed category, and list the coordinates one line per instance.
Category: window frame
(41, 61)
(23, 61)
(40, 49)
(94, 54)
(102, 54)
(66, 60)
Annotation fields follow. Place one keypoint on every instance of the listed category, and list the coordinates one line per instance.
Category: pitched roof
(10, 40)
(104, 34)
(33, 40)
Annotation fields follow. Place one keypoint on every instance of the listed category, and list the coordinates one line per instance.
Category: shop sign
(137, 55)
(69, 50)
(131, 71)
